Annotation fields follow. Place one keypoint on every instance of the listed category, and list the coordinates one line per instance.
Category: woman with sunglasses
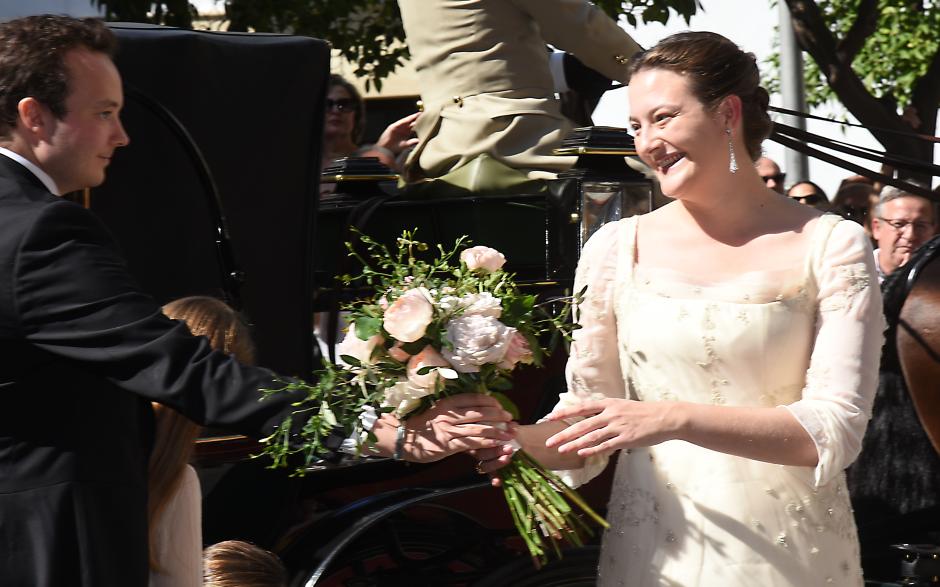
(809, 194)
(345, 122)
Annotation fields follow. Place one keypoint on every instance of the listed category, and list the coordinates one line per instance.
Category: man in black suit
(83, 351)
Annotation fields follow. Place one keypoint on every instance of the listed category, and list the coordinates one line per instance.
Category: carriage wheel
(438, 547)
(578, 568)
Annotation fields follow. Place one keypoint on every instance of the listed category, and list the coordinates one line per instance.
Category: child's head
(234, 563)
(212, 318)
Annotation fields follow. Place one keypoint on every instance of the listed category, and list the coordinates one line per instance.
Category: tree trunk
(815, 38)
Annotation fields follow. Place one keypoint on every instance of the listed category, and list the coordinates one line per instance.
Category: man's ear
(34, 118)
(729, 111)
(876, 227)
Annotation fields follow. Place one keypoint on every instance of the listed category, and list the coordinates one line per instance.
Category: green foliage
(891, 60)
(646, 11)
(367, 33)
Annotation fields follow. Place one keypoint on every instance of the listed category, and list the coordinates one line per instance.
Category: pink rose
(518, 351)
(428, 357)
(482, 259)
(407, 318)
(398, 353)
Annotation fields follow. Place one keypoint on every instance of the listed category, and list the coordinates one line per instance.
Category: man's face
(903, 225)
(770, 173)
(76, 149)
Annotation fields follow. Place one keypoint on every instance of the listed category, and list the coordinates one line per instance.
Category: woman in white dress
(728, 351)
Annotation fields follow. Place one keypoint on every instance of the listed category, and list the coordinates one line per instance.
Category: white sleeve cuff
(556, 64)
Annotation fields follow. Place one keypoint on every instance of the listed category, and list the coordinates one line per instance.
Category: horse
(914, 294)
(894, 481)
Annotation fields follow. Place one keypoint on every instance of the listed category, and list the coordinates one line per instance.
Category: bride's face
(683, 142)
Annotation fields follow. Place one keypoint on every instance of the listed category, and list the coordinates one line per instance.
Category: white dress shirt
(33, 168)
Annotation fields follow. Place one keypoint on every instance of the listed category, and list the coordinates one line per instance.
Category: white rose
(477, 340)
(482, 258)
(405, 397)
(483, 304)
(357, 348)
(407, 318)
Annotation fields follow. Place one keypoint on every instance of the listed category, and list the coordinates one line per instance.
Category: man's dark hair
(31, 60)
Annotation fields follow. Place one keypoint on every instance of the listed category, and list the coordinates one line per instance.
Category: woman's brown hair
(359, 105)
(715, 68)
(174, 434)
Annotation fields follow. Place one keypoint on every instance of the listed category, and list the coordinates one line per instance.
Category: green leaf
(351, 360)
(367, 326)
(327, 414)
(413, 348)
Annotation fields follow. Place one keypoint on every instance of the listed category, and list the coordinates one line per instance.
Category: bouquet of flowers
(437, 328)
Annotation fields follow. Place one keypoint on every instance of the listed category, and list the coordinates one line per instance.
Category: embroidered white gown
(807, 338)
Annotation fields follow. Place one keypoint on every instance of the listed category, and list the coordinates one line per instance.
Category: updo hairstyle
(715, 68)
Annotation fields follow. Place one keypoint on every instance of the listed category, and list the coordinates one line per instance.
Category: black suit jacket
(82, 353)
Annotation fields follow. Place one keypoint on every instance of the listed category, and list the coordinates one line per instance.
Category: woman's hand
(455, 424)
(490, 460)
(614, 424)
(397, 136)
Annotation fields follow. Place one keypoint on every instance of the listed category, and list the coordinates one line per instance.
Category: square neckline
(668, 278)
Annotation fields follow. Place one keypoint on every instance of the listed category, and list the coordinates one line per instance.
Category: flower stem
(538, 499)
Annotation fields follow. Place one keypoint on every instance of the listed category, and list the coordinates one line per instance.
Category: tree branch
(925, 98)
(864, 25)
(814, 37)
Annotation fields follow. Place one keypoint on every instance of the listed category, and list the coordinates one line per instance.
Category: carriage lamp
(600, 188)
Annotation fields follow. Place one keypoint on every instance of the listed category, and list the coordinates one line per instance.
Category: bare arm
(766, 434)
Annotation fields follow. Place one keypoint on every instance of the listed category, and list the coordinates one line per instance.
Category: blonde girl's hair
(174, 434)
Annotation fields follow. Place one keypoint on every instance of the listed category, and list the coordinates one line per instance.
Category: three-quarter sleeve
(843, 374)
(593, 369)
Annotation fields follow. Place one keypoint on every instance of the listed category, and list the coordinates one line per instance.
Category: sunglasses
(341, 105)
(810, 199)
(779, 177)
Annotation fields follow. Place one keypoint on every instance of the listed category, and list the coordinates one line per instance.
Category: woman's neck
(339, 147)
(731, 208)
